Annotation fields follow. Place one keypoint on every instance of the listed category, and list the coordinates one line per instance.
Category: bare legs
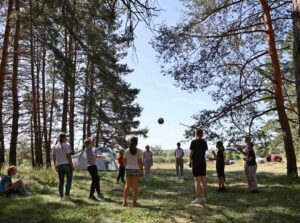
(19, 184)
(221, 182)
(200, 187)
(131, 182)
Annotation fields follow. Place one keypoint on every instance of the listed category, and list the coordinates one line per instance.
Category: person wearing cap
(8, 187)
(63, 164)
(89, 144)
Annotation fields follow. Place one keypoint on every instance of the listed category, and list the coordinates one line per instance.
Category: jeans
(95, 185)
(179, 165)
(121, 174)
(64, 170)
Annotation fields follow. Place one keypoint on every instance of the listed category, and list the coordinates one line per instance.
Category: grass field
(162, 198)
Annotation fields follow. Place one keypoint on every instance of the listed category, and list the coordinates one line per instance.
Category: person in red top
(121, 161)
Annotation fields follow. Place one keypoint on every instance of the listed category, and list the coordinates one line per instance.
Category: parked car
(228, 161)
(259, 159)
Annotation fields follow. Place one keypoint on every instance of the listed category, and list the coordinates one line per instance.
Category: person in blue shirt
(8, 187)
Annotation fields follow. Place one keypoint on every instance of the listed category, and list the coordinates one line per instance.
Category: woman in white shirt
(63, 164)
(134, 169)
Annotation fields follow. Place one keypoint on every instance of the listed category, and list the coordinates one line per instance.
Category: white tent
(80, 162)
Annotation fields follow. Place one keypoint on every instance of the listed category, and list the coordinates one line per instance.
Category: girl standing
(121, 161)
(63, 164)
(89, 144)
(220, 165)
(134, 169)
(148, 161)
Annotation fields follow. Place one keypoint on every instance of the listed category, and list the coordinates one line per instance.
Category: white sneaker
(196, 201)
(28, 193)
(203, 200)
(67, 198)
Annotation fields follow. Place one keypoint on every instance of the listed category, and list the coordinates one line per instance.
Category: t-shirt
(90, 156)
(60, 151)
(251, 154)
(147, 157)
(5, 180)
(245, 151)
(220, 157)
(121, 161)
(132, 160)
(199, 147)
(179, 153)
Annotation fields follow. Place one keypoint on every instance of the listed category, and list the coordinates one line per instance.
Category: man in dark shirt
(198, 163)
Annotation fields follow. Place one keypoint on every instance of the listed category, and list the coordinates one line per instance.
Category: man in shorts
(198, 163)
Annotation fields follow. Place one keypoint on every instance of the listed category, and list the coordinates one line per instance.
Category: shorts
(220, 171)
(199, 169)
(132, 173)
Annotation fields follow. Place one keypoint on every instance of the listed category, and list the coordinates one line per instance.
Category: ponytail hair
(60, 138)
(132, 145)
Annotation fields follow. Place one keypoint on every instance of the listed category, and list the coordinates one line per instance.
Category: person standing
(89, 144)
(148, 161)
(198, 163)
(63, 164)
(179, 154)
(252, 167)
(245, 152)
(133, 169)
(220, 165)
(121, 161)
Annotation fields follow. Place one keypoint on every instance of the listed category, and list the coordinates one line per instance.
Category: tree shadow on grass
(278, 198)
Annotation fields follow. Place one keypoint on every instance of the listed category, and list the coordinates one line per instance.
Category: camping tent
(80, 162)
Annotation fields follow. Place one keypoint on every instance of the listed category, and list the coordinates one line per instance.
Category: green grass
(162, 199)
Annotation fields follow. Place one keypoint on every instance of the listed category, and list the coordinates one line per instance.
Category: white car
(259, 159)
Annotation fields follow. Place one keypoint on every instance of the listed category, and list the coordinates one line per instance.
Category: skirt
(132, 173)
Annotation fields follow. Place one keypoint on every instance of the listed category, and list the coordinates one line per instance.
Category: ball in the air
(161, 120)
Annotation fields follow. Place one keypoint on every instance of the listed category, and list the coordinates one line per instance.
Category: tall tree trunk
(37, 146)
(51, 110)
(85, 101)
(3, 67)
(98, 133)
(66, 88)
(15, 118)
(99, 119)
(38, 104)
(296, 51)
(31, 143)
(72, 93)
(90, 101)
(283, 119)
(45, 130)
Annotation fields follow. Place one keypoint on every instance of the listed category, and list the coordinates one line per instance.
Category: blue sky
(158, 96)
